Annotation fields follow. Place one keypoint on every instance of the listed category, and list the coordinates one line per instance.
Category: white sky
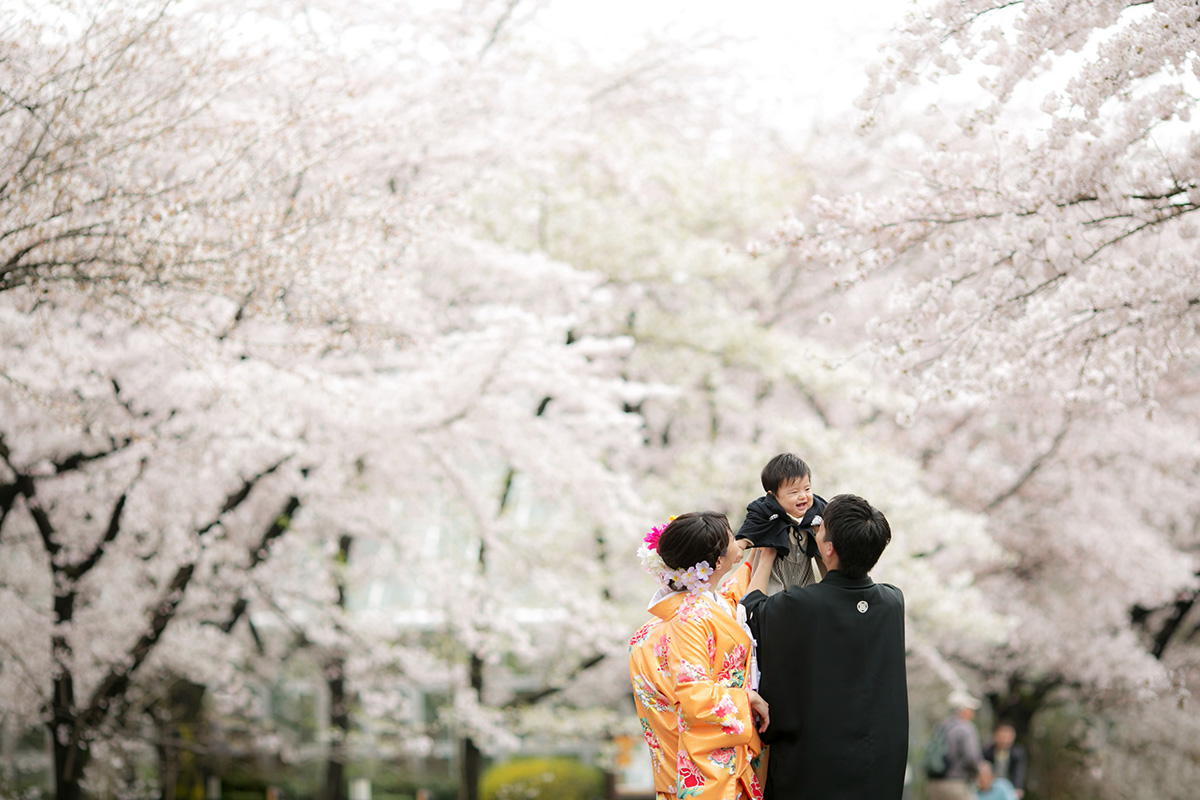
(806, 57)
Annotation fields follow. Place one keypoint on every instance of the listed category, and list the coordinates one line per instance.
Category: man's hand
(760, 569)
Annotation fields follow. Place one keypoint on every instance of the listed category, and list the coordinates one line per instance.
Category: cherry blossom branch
(1180, 608)
(9, 492)
(117, 681)
(505, 16)
(114, 527)
(236, 498)
(24, 485)
(36, 682)
(77, 460)
(526, 699)
(259, 553)
(1033, 467)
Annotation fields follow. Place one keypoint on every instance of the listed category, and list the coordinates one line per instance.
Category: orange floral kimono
(689, 667)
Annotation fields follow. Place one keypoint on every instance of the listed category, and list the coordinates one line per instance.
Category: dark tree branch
(505, 16)
(1171, 626)
(40, 517)
(236, 498)
(117, 681)
(526, 699)
(77, 460)
(24, 485)
(9, 493)
(1033, 468)
(114, 527)
(258, 554)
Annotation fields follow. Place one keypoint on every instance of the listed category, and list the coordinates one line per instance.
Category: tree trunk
(339, 718)
(179, 725)
(339, 704)
(471, 759)
(1021, 702)
(472, 769)
(70, 752)
(471, 766)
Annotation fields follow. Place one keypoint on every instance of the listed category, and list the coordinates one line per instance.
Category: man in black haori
(832, 661)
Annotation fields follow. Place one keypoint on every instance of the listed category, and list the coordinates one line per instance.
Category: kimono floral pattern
(690, 670)
(695, 608)
(731, 673)
(649, 694)
(642, 633)
(660, 655)
(726, 712)
(690, 781)
(724, 758)
(689, 673)
(652, 743)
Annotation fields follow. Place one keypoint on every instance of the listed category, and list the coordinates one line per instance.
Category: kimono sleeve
(736, 584)
(765, 530)
(711, 716)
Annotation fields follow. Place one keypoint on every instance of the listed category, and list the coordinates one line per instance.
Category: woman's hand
(759, 709)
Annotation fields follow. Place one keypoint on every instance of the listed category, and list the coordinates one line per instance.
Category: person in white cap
(962, 751)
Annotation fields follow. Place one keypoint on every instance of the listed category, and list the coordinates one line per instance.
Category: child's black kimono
(768, 525)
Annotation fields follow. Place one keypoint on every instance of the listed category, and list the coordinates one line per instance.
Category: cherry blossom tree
(737, 352)
(233, 339)
(1027, 250)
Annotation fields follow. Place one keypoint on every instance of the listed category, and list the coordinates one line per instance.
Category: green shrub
(542, 779)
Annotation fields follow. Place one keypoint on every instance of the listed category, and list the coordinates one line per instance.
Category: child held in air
(785, 518)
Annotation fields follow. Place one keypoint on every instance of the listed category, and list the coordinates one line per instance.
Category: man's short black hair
(858, 532)
(783, 467)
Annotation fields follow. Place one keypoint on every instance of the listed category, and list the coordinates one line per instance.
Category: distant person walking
(961, 754)
(1009, 759)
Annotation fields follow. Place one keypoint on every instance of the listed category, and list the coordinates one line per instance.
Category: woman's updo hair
(694, 537)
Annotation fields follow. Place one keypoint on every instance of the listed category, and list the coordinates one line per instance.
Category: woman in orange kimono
(693, 668)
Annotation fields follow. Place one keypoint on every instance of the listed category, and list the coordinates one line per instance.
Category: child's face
(795, 495)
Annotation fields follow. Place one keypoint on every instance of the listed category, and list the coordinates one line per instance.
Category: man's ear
(822, 545)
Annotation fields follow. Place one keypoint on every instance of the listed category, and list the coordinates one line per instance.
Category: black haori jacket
(768, 525)
(833, 672)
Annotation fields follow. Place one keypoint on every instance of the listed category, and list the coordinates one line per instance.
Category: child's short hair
(783, 467)
(858, 532)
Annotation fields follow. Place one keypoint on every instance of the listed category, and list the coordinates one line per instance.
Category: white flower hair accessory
(695, 578)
